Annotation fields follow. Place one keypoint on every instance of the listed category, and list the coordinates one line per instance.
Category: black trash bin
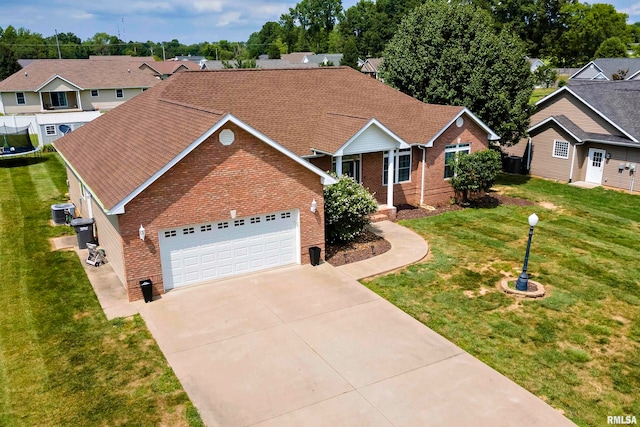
(314, 254)
(147, 290)
(84, 230)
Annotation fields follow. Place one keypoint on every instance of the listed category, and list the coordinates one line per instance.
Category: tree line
(566, 33)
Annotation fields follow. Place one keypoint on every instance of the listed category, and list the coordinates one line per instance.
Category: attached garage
(201, 252)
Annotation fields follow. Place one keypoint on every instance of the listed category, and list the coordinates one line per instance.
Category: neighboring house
(164, 69)
(323, 59)
(188, 58)
(223, 171)
(295, 57)
(371, 67)
(609, 69)
(535, 63)
(586, 131)
(73, 85)
(260, 63)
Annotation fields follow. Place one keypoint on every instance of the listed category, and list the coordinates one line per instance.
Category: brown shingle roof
(84, 73)
(170, 67)
(301, 109)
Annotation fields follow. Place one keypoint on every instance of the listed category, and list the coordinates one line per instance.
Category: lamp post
(523, 281)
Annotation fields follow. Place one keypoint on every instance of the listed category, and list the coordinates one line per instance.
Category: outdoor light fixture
(523, 281)
(314, 206)
(142, 232)
(608, 156)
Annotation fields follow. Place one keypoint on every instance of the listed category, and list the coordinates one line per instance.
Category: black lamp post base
(523, 282)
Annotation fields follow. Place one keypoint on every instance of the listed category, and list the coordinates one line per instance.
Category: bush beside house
(474, 173)
(347, 206)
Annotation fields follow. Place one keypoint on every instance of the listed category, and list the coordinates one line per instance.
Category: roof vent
(128, 70)
(26, 74)
(226, 137)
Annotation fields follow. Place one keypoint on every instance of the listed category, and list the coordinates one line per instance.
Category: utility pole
(58, 44)
(163, 53)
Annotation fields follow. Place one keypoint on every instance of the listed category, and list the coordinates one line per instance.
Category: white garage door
(196, 253)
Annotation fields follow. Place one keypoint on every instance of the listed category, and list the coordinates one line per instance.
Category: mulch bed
(369, 244)
(487, 201)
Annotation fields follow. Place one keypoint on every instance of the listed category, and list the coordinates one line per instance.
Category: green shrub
(475, 172)
(347, 206)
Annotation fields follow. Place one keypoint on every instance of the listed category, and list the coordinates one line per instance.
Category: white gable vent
(226, 137)
(459, 122)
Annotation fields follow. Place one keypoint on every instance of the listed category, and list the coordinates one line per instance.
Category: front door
(595, 167)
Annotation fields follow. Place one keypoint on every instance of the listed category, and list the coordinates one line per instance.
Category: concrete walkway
(406, 248)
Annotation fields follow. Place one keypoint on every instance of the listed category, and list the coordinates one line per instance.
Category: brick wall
(437, 190)
(248, 176)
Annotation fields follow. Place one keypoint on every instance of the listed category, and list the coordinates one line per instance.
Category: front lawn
(61, 361)
(579, 348)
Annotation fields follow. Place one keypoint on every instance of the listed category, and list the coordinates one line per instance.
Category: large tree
(8, 62)
(586, 27)
(446, 53)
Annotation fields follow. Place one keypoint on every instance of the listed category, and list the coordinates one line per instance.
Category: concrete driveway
(310, 346)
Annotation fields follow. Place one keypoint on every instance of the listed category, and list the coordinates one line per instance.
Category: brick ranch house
(224, 170)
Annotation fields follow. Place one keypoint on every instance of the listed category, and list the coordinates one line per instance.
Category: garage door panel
(194, 253)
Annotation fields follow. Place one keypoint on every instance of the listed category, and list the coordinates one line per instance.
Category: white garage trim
(197, 253)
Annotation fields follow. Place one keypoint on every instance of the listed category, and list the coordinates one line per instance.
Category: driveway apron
(310, 346)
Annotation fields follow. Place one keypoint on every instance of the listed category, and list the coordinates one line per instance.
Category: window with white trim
(451, 152)
(50, 130)
(402, 166)
(20, 99)
(560, 149)
(95, 93)
(119, 93)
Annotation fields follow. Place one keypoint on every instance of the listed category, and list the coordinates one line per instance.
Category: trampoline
(16, 142)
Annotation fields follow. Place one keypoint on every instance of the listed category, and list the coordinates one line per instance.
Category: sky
(189, 21)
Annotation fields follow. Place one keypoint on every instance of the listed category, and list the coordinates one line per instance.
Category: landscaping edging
(537, 291)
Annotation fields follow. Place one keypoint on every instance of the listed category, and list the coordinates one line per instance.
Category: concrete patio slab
(108, 288)
(584, 184)
(255, 377)
(332, 413)
(374, 341)
(459, 391)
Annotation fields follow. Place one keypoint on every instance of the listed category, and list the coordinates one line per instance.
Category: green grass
(578, 348)
(61, 361)
(539, 93)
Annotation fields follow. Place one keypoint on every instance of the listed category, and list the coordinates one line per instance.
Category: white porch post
(338, 165)
(41, 102)
(78, 99)
(390, 176)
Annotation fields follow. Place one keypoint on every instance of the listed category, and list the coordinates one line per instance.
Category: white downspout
(424, 152)
(529, 156)
(89, 207)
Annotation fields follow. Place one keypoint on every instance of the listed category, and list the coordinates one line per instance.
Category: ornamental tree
(476, 172)
(347, 206)
(450, 53)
